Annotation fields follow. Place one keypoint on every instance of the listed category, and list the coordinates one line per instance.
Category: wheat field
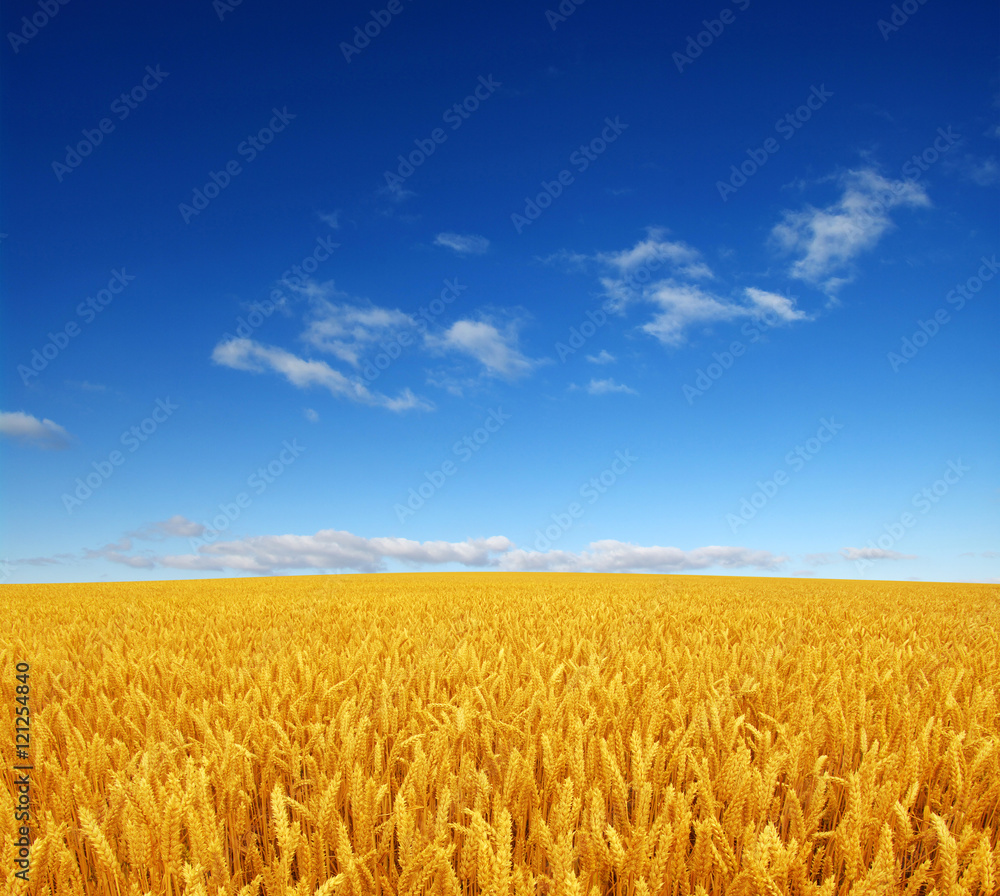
(467, 733)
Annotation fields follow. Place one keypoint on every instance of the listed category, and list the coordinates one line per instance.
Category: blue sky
(703, 289)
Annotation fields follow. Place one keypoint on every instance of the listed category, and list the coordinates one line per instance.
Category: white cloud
(652, 252)
(395, 192)
(654, 271)
(606, 387)
(983, 171)
(874, 554)
(823, 558)
(497, 351)
(331, 219)
(245, 354)
(684, 305)
(452, 381)
(618, 556)
(570, 261)
(114, 554)
(602, 357)
(333, 549)
(829, 239)
(176, 527)
(347, 328)
(311, 415)
(617, 293)
(340, 550)
(464, 245)
(773, 303)
(44, 433)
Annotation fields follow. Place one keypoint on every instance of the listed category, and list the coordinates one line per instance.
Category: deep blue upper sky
(601, 344)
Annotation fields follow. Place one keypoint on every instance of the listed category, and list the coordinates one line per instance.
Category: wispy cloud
(874, 554)
(570, 261)
(45, 434)
(464, 245)
(846, 555)
(684, 305)
(176, 526)
(340, 550)
(618, 556)
(337, 324)
(823, 559)
(115, 553)
(829, 239)
(54, 560)
(332, 219)
(984, 171)
(655, 251)
(245, 354)
(773, 303)
(395, 192)
(607, 387)
(85, 386)
(497, 350)
(333, 549)
(311, 415)
(671, 275)
(602, 357)
(346, 327)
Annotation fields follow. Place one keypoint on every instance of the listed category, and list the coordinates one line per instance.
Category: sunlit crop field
(505, 733)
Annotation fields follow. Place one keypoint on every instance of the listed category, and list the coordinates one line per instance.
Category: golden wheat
(507, 734)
